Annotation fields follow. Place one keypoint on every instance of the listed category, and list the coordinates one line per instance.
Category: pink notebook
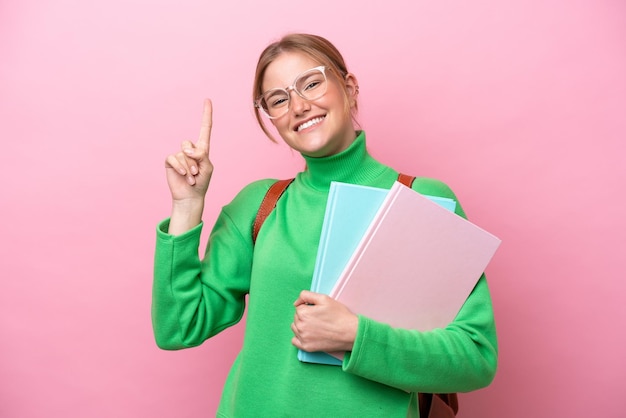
(416, 264)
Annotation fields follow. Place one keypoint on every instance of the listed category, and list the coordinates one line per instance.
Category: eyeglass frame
(292, 87)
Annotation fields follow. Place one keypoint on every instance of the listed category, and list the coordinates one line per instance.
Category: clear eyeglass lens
(310, 85)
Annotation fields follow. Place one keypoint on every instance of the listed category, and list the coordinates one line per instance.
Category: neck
(352, 165)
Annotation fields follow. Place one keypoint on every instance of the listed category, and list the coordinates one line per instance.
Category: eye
(311, 85)
(278, 102)
(276, 98)
(311, 80)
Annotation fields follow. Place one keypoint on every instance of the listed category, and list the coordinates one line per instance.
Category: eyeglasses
(310, 85)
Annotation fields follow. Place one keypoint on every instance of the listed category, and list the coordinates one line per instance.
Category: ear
(352, 88)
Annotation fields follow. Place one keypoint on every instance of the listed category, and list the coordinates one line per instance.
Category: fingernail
(194, 170)
(188, 151)
(181, 171)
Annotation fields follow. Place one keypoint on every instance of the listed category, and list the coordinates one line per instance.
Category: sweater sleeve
(192, 298)
(460, 358)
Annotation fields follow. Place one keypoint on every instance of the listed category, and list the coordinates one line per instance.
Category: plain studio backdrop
(519, 106)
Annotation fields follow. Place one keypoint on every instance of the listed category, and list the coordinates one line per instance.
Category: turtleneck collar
(353, 165)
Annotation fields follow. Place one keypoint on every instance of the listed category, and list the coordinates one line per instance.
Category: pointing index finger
(204, 139)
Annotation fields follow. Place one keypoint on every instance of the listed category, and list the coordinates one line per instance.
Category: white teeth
(309, 123)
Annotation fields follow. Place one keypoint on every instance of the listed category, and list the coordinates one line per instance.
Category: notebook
(416, 263)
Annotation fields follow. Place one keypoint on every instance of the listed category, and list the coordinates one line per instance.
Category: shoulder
(251, 195)
(247, 201)
(254, 191)
(433, 187)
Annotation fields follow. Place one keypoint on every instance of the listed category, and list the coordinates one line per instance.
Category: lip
(301, 122)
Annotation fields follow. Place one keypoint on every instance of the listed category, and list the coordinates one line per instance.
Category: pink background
(519, 106)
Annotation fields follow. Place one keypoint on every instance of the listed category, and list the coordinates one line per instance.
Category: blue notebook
(349, 211)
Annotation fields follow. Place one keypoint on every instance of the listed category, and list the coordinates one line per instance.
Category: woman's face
(317, 128)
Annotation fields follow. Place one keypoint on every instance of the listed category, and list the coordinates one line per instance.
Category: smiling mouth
(310, 123)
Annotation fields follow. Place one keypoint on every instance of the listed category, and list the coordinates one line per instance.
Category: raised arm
(188, 175)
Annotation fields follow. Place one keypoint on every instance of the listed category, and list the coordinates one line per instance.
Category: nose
(297, 104)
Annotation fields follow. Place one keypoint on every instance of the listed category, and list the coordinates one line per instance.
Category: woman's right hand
(188, 175)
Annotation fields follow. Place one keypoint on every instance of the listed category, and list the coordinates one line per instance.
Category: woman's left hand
(323, 324)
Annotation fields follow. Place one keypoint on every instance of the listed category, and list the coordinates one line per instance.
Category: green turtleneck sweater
(194, 299)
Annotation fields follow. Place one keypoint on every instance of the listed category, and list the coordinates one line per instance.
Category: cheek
(338, 99)
(279, 124)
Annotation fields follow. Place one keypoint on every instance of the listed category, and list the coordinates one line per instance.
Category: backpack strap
(438, 405)
(406, 179)
(268, 204)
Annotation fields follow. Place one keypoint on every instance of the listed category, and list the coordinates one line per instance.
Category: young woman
(303, 88)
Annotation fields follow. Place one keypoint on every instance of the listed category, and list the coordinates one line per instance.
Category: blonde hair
(315, 47)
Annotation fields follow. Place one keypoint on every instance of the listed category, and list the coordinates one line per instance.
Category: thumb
(309, 298)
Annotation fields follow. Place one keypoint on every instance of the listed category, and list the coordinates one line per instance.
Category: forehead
(285, 68)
